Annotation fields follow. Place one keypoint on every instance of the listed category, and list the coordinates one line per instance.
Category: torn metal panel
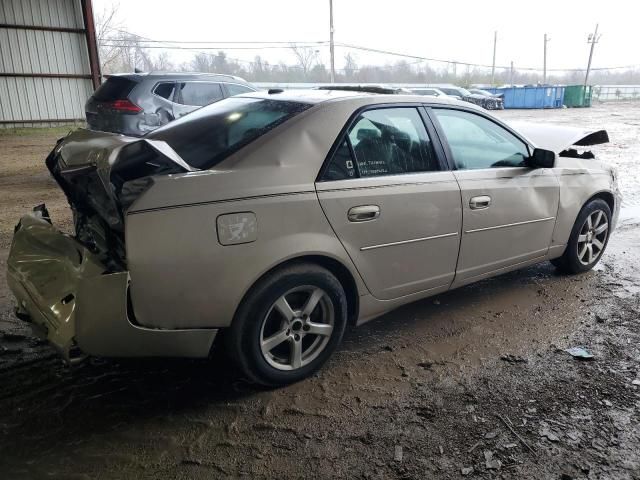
(45, 268)
(64, 290)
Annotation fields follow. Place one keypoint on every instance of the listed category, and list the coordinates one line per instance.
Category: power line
(126, 43)
(196, 42)
(147, 39)
(281, 45)
(440, 60)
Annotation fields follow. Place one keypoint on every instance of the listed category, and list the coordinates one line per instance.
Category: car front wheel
(588, 238)
(288, 325)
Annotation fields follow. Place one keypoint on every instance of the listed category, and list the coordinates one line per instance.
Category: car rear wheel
(288, 325)
(588, 238)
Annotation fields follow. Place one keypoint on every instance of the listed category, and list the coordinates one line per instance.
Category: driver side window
(477, 142)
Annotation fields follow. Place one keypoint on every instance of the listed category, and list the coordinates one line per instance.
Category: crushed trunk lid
(102, 174)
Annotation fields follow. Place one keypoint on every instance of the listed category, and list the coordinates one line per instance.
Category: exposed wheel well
(341, 272)
(607, 197)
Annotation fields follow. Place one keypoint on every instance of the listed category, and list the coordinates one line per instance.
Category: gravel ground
(474, 383)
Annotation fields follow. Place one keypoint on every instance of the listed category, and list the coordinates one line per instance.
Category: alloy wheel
(592, 237)
(297, 328)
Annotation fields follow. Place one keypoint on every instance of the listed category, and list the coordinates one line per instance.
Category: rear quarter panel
(182, 277)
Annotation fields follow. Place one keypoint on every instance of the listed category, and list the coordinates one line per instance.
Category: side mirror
(541, 159)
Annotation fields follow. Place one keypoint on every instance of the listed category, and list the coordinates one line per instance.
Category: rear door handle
(479, 203)
(363, 213)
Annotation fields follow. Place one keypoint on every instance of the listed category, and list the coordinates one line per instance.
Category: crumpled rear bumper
(62, 288)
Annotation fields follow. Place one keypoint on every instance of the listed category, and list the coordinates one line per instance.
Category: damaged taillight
(124, 106)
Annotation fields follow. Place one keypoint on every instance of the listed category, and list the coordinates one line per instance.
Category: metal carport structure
(48, 61)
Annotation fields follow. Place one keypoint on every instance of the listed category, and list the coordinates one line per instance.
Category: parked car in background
(430, 92)
(464, 94)
(137, 103)
(498, 97)
(279, 218)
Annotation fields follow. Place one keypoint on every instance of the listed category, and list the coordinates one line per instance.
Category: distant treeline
(127, 55)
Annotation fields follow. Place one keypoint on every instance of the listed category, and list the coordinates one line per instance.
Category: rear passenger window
(198, 93)
(235, 89)
(165, 90)
(386, 141)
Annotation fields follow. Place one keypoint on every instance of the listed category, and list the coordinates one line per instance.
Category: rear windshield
(115, 88)
(212, 133)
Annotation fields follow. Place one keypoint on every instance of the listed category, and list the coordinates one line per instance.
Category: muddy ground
(474, 383)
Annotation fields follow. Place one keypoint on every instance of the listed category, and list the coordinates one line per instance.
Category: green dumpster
(577, 96)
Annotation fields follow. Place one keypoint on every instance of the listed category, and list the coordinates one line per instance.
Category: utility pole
(493, 65)
(544, 72)
(331, 50)
(592, 39)
(511, 74)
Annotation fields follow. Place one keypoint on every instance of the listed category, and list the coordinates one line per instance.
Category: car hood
(477, 96)
(559, 138)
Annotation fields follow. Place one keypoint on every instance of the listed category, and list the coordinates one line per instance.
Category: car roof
(313, 96)
(435, 89)
(180, 75)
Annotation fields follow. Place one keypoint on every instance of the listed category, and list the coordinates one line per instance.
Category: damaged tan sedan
(275, 219)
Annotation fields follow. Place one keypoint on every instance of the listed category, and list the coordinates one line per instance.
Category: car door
(392, 203)
(509, 209)
(164, 94)
(191, 95)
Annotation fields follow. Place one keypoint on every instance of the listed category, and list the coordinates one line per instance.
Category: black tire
(570, 261)
(243, 338)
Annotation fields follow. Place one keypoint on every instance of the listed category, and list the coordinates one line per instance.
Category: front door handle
(363, 213)
(479, 203)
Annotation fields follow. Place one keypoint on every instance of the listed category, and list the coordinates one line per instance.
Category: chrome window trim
(403, 242)
(506, 225)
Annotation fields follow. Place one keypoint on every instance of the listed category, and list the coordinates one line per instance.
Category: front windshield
(210, 134)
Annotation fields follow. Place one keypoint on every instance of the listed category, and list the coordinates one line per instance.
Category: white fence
(606, 93)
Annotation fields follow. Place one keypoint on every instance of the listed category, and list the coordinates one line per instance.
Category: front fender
(577, 186)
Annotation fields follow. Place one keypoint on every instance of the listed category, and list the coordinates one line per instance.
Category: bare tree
(107, 25)
(306, 57)
(120, 50)
(162, 62)
(350, 66)
(201, 63)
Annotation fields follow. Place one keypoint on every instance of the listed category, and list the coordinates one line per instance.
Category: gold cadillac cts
(274, 219)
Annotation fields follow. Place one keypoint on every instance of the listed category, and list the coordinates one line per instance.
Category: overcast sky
(457, 30)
